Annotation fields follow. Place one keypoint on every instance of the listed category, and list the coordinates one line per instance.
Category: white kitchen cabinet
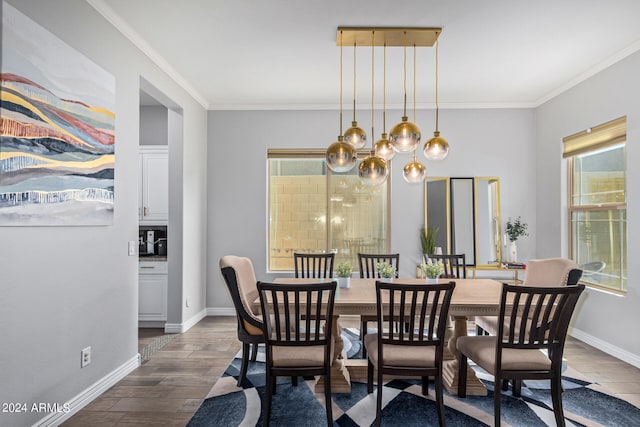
(154, 185)
(152, 291)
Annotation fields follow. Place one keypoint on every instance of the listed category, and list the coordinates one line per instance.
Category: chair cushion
(298, 356)
(548, 272)
(482, 350)
(247, 281)
(400, 355)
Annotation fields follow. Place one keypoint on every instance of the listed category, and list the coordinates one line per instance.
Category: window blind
(601, 136)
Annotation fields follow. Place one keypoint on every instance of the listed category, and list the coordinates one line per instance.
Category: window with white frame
(597, 204)
(312, 209)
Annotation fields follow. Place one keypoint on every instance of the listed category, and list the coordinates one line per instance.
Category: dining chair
(415, 351)
(298, 335)
(368, 270)
(455, 265)
(240, 278)
(539, 272)
(313, 265)
(532, 328)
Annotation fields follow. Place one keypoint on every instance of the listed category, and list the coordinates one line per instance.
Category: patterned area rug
(585, 403)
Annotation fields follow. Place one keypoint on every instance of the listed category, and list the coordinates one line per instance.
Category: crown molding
(103, 9)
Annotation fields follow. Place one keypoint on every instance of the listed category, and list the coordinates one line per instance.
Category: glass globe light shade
(437, 148)
(355, 136)
(414, 172)
(384, 149)
(405, 136)
(341, 157)
(373, 170)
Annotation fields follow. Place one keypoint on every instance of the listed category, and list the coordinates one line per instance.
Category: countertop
(154, 258)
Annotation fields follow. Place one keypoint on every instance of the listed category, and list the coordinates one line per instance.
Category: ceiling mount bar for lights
(389, 36)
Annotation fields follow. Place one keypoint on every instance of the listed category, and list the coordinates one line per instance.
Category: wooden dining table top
(471, 297)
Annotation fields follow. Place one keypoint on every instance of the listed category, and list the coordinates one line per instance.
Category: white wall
(483, 143)
(65, 288)
(603, 319)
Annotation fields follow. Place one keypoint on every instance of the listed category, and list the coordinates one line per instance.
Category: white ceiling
(281, 54)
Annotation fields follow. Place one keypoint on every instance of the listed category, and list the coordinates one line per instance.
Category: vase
(344, 282)
(513, 252)
(386, 279)
(432, 280)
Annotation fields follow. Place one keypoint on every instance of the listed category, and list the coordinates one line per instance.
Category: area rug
(585, 403)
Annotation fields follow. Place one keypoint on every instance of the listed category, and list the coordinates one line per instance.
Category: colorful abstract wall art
(57, 133)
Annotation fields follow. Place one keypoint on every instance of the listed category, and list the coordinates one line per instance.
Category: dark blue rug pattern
(585, 403)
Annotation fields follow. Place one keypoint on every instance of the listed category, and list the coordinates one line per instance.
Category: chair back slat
(423, 308)
(297, 314)
(313, 266)
(455, 265)
(368, 263)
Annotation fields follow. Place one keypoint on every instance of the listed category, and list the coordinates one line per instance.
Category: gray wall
(154, 122)
(483, 143)
(603, 318)
(65, 288)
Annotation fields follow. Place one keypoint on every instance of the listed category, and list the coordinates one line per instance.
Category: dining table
(471, 297)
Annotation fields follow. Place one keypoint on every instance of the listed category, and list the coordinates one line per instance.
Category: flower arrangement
(344, 269)
(431, 269)
(385, 270)
(516, 229)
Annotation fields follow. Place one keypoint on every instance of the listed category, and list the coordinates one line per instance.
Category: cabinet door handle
(144, 211)
(147, 267)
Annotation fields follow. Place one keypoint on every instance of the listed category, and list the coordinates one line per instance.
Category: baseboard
(624, 355)
(89, 394)
(179, 328)
(213, 311)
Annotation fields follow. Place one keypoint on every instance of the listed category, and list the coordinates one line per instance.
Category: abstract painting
(57, 130)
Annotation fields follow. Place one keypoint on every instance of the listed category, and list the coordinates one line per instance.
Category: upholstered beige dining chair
(241, 281)
(415, 350)
(539, 272)
(532, 328)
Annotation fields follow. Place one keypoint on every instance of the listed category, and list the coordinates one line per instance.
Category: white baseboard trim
(624, 355)
(178, 328)
(215, 311)
(89, 394)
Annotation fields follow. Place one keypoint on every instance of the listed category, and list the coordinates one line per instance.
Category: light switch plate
(132, 248)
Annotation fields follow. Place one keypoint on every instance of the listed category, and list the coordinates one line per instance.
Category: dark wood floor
(168, 388)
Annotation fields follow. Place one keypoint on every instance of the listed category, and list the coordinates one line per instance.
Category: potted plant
(515, 229)
(428, 240)
(386, 271)
(433, 270)
(343, 271)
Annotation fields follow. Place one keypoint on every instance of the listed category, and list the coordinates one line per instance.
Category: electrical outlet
(85, 357)
(132, 248)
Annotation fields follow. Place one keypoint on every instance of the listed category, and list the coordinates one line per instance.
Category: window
(597, 204)
(312, 209)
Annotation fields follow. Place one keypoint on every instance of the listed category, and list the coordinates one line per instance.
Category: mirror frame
(496, 207)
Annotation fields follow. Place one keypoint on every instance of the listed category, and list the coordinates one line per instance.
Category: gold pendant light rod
(341, 83)
(391, 36)
(437, 112)
(373, 63)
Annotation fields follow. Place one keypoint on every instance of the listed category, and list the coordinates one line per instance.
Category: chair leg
(505, 385)
(517, 388)
(496, 402)
(425, 386)
(439, 398)
(254, 351)
(369, 377)
(294, 380)
(556, 398)
(379, 399)
(462, 375)
(363, 332)
(327, 398)
(267, 401)
(244, 364)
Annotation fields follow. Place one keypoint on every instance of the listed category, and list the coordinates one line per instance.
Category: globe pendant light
(373, 170)
(414, 171)
(405, 136)
(340, 156)
(437, 148)
(355, 135)
(383, 147)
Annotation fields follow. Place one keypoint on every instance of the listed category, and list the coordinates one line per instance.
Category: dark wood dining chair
(313, 265)
(531, 319)
(415, 351)
(368, 270)
(298, 335)
(240, 278)
(455, 265)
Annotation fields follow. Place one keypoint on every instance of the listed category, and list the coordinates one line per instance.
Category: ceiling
(282, 54)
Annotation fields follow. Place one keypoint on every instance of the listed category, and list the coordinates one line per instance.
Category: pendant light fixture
(355, 135)
(437, 148)
(341, 156)
(383, 147)
(405, 136)
(373, 170)
(414, 171)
